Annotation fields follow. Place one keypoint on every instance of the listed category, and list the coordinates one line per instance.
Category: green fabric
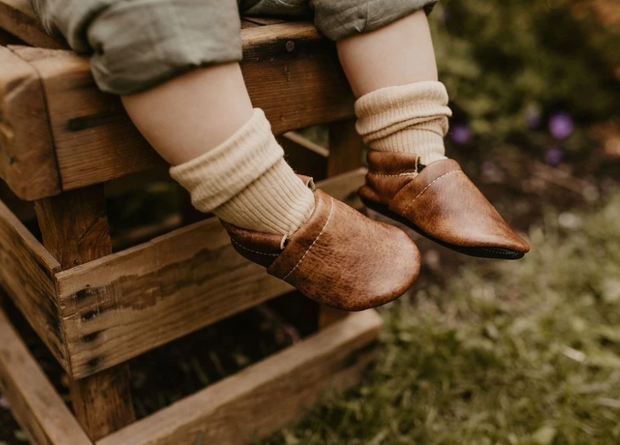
(138, 44)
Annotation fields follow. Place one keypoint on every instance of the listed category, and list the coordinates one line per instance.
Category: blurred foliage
(515, 353)
(510, 66)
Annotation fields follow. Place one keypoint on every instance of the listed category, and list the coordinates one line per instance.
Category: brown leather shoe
(440, 202)
(338, 257)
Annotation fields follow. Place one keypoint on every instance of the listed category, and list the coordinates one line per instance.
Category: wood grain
(27, 159)
(266, 396)
(75, 230)
(290, 72)
(124, 304)
(304, 156)
(36, 405)
(18, 18)
(27, 275)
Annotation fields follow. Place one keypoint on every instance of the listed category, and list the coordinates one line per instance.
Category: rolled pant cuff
(338, 20)
(142, 43)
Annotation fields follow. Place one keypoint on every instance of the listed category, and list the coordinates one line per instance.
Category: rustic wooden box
(60, 140)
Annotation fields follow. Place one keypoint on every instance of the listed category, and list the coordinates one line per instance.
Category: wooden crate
(61, 140)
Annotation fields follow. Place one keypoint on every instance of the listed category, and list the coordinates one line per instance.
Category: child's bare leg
(403, 113)
(398, 54)
(401, 106)
(222, 150)
(192, 113)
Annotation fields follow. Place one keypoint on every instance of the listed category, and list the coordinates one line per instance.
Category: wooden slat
(27, 160)
(124, 304)
(17, 18)
(304, 156)
(95, 140)
(26, 273)
(265, 396)
(34, 402)
(75, 229)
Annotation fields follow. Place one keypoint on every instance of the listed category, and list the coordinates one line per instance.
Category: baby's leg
(175, 64)
(387, 54)
(394, 68)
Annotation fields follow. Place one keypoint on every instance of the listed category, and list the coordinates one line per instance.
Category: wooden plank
(266, 396)
(34, 402)
(26, 274)
(290, 72)
(27, 159)
(124, 304)
(75, 229)
(18, 18)
(9, 39)
(346, 148)
(304, 156)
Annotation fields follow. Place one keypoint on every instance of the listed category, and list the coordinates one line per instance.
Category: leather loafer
(338, 257)
(441, 203)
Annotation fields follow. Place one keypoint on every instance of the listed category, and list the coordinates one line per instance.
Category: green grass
(524, 352)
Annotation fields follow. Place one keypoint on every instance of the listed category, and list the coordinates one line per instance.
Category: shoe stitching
(399, 174)
(427, 187)
(253, 251)
(315, 240)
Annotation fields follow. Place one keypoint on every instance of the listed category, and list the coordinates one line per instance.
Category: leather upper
(440, 200)
(338, 257)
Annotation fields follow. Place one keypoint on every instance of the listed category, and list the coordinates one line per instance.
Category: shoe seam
(427, 187)
(253, 251)
(398, 174)
(331, 209)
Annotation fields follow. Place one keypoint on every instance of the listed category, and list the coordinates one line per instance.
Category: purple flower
(461, 134)
(561, 126)
(554, 156)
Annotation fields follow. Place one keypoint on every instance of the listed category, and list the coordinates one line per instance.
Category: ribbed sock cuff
(219, 174)
(246, 182)
(277, 202)
(407, 119)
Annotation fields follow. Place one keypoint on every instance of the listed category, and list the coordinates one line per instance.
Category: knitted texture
(406, 119)
(246, 182)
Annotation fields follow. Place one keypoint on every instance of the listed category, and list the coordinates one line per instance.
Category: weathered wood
(34, 402)
(75, 229)
(17, 18)
(27, 275)
(124, 304)
(265, 396)
(346, 148)
(304, 156)
(290, 72)
(345, 155)
(9, 39)
(27, 159)
(74, 226)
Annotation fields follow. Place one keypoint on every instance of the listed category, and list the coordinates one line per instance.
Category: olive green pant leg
(339, 19)
(138, 44)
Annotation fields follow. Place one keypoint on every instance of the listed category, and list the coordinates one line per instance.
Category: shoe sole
(498, 253)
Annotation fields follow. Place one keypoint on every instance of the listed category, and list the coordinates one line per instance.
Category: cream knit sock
(246, 182)
(406, 119)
